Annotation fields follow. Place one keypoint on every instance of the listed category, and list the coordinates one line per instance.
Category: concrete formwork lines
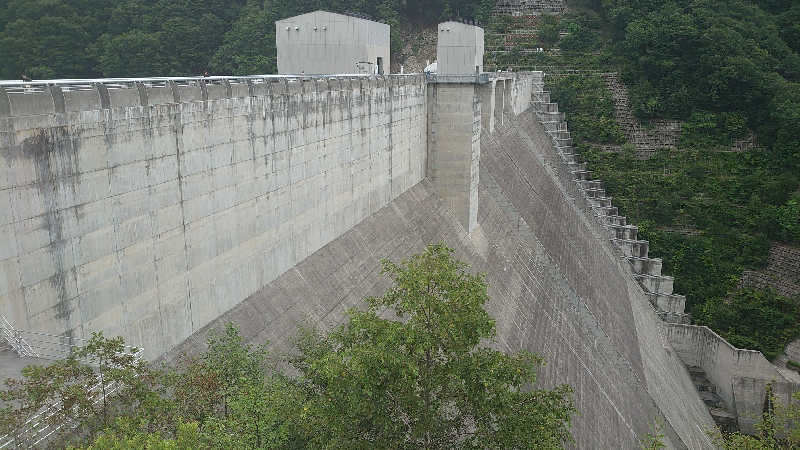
(288, 197)
(562, 324)
(672, 411)
(741, 384)
(228, 155)
(576, 354)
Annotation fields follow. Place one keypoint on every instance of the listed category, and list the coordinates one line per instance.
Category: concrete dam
(158, 209)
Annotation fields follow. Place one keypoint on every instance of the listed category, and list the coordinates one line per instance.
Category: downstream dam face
(147, 211)
(160, 209)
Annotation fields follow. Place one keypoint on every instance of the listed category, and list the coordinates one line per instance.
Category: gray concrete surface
(488, 99)
(454, 148)
(150, 218)
(321, 42)
(607, 344)
(11, 364)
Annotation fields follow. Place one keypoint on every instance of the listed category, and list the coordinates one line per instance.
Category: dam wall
(541, 250)
(160, 210)
(148, 209)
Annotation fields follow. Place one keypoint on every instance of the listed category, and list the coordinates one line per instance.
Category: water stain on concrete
(54, 154)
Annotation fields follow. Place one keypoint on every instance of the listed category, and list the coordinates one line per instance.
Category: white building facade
(460, 49)
(321, 42)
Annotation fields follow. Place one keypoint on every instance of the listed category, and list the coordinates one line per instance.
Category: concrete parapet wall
(148, 209)
(522, 89)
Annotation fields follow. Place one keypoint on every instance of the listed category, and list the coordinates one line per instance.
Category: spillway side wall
(740, 376)
(150, 210)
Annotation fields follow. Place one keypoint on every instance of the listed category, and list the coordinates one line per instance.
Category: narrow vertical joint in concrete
(102, 93)
(203, 90)
(5, 104)
(251, 89)
(498, 102)
(508, 104)
(176, 96)
(142, 93)
(58, 98)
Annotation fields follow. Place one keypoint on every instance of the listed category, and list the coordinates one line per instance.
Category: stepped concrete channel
(159, 209)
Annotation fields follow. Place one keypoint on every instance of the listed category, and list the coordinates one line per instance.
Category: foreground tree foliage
(411, 370)
(421, 379)
(74, 388)
(779, 428)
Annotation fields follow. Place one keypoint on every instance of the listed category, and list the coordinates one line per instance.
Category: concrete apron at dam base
(159, 209)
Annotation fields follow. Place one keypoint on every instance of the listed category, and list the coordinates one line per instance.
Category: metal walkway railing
(67, 84)
(40, 425)
(15, 339)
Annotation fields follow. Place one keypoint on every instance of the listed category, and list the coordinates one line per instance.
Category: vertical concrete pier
(454, 147)
(487, 93)
(454, 119)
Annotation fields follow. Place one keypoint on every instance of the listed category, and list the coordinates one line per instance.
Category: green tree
(188, 437)
(578, 38)
(549, 28)
(754, 319)
(654, 440)
(229, 396)
(249, 47)
(78, 390)
(779, 428)
(789, 218)
(422, 378)
(135, 53)
(413, 371)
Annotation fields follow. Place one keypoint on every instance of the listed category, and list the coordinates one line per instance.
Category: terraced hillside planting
(710, 182)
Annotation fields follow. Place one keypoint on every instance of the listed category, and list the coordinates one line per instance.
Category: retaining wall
(740, 375)
(147, 211)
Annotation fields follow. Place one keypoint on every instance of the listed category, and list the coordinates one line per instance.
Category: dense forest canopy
(106, 38)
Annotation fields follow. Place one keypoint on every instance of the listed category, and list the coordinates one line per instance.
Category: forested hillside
(94, 38)
(726, 70)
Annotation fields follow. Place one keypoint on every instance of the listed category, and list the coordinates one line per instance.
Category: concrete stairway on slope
(646, 270)
(724, 419)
